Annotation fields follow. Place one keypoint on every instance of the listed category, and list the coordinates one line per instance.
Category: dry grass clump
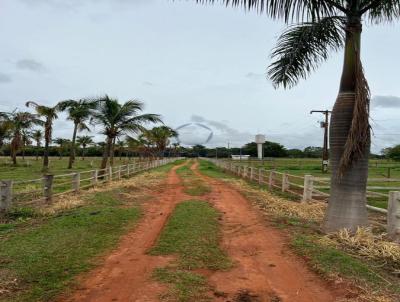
(367, 245)
(135, 187)
(279, 206)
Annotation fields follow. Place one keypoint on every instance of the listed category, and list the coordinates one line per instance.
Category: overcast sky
(190, 63)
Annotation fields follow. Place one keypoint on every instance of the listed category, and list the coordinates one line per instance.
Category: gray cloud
(255, 76)
(29, 64)
(5, 78)
(381, 101)
(224, 133)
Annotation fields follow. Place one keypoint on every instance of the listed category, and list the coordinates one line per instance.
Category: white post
(271, 180)
(5, 195)
(95, 175)
(76, 179)
(393, 216)
(308, 188)
(285, 182)
(251, 173)
(128, 170)
(260, 176)
(110, 172)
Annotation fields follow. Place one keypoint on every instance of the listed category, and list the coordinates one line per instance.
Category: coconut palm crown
(117, 119)
(316, 28)
(79, 112)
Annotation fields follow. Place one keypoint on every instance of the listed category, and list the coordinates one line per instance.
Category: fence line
(49, 186)
(307, 190)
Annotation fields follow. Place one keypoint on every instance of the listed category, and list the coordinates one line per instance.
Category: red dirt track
(264, 268)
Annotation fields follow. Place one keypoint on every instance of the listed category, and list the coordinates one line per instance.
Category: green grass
(30, 168)
(192, 234)
(211, 170)
(185, 286)
(46, 253)
(328, 260)
(193, 185)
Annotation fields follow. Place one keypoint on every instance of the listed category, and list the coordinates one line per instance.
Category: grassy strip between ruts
(330, 261)
(192, 234)
(194, 186)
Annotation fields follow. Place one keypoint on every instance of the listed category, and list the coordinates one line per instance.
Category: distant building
(240, 157)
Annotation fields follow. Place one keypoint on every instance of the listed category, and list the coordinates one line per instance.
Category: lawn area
(192, 234)
(30, 168)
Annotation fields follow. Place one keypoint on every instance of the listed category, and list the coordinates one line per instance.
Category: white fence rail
(25, 192)
(309, 188)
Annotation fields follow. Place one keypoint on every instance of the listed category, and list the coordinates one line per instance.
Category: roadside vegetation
(192, 235)
(365, 260)
(193, 185)
(43, 250)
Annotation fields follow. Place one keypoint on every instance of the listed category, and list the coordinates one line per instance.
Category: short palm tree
(49, 114)
(62, 145)
(18, 122)
(84, 141)
(161, 136)
(119, 119)
(78, 112)
(5, 131)
(37, 135)
(26, 141)
(323, 26)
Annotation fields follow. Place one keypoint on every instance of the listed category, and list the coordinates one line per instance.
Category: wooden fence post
(271, 180)
(308, 188)
(110, 172)
(128, 170)
(48, 187)
(119, 173)
(6, 187)
(285, 182)
(251, 173)
(393, 216)
(260, 176)
(95, 175)
(76, 179)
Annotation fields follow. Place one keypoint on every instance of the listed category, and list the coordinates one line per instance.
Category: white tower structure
(260, 140)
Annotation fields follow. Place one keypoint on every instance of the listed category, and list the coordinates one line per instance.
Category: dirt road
(264, 271)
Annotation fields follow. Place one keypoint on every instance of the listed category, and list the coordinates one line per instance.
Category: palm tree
(84, 141)
(5, 131)
(324, 26)
(50, 114)
(18, 122)
(119, 119)
(37, 135)
(161, 136)
(25, 139)
(121, 147)
(62, 144)
(78, 112)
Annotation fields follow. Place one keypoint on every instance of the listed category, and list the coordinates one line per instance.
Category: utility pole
(325, 125)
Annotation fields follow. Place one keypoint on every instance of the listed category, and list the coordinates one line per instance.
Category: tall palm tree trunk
(46, 154)
(37, 150)
(112, 151)
(106, 154)
(73, 149)
(347, 202)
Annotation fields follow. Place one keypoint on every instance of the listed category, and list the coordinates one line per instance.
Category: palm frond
(377, 11)
(292, 10)
(302, 48)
